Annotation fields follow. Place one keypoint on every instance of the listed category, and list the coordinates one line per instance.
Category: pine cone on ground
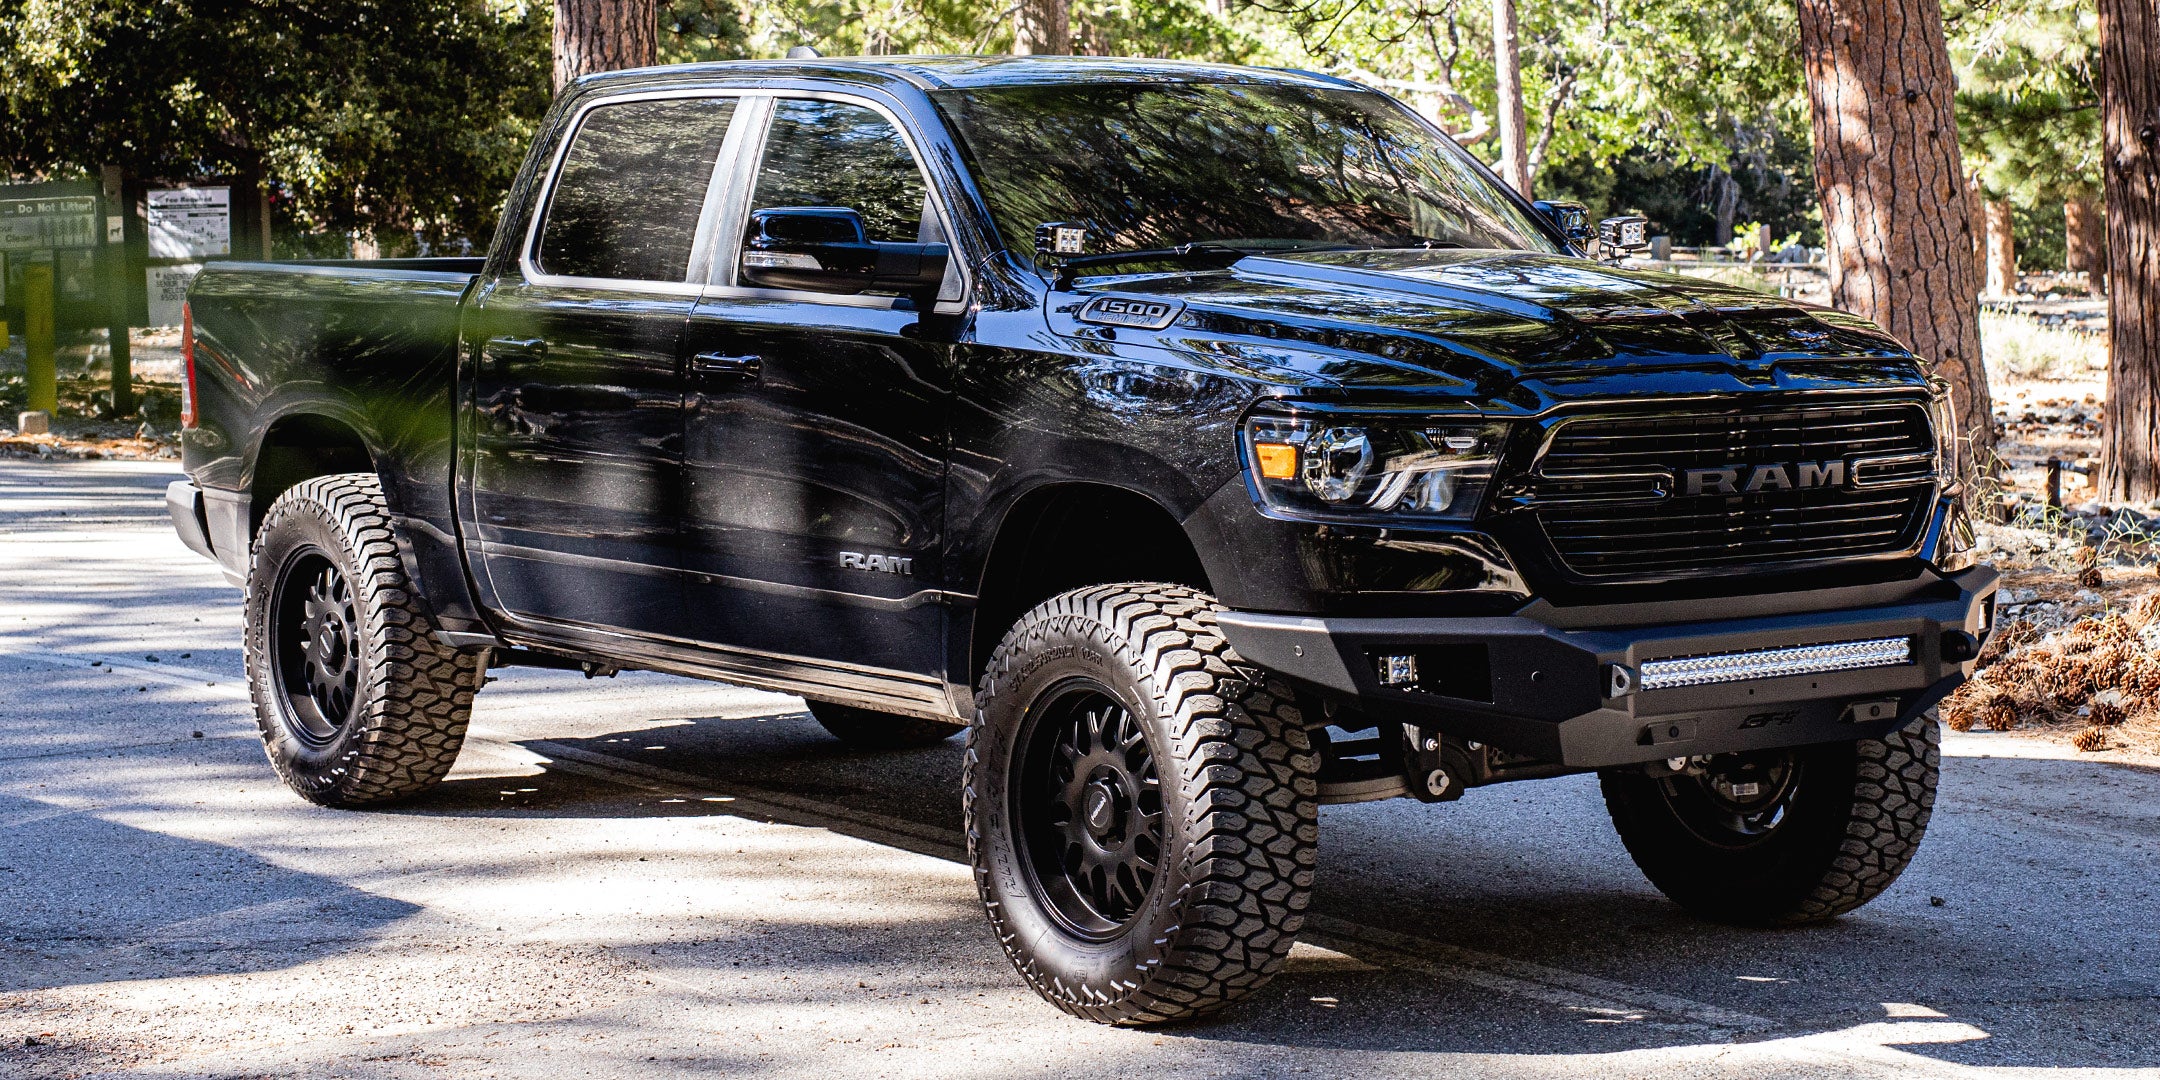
(2000, 713)
(2107, 665)
(2107, 713)
(1959, 712)
(2090, 739)
(2068, 680)
(2007, 638)
(2141, 676)
(2013, 672)
(2088, 568)
(2146, 610)
(2111, 629)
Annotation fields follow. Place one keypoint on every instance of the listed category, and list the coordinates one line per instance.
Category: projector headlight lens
(1379, 467)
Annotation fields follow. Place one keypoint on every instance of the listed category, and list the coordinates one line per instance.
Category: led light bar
(1773, 663)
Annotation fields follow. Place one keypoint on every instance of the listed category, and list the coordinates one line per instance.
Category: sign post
(37, 287)
(113, 186)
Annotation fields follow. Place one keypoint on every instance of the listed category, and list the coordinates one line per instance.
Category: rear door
(576, 475)
(816, 427)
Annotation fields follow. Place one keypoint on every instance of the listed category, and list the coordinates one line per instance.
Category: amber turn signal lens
(1277, 462)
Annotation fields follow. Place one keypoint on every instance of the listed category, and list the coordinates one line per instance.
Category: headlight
(1381, 467)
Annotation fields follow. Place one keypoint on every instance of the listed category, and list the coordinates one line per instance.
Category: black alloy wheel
(316, 628)
(358, 701)
(1736, 800)
(1090, 812)
(1140, 804)
(1781, 837)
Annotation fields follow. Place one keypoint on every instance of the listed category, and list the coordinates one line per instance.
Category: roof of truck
(957, 72)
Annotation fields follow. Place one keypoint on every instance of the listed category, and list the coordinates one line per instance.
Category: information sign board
(60, 221)
(188, 223)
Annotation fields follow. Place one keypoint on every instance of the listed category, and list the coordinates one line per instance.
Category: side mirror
(824, 249)
(1572, 219)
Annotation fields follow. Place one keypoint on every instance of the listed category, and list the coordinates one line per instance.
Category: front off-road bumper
(1588, 697)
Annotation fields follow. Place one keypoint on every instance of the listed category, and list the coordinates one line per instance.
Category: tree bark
(1042, 28)
(1507, 75)
(1892, 188)
(2001, 250)
(2130, 171)
(2085, 240)
(604, 35)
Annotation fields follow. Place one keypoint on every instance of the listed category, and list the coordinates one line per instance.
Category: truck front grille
(1642, 496)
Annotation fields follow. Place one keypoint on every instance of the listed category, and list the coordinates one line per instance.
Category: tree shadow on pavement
(89, 900)
(1520, 887)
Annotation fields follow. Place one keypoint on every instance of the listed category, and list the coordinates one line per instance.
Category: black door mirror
(824, 249)
(1572, 219)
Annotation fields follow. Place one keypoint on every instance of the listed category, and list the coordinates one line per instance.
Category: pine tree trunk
(1043, 28)
(1507, 74)
(2001, 250)
(604, 35)
(2130, 169)
(2085, 240)
(1976, 205)
(1892, 188)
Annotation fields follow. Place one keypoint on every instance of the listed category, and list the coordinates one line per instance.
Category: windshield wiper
(1199, 254)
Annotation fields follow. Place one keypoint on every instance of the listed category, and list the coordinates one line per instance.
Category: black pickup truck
(1209, 443)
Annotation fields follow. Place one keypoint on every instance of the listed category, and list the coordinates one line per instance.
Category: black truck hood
(1456, 321)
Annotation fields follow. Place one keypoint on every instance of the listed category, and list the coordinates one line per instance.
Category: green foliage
(2028, 102)
(400, 118)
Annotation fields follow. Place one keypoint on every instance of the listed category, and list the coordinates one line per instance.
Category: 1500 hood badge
(1127, 311)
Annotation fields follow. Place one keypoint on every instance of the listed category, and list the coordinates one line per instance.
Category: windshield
(1237, 164)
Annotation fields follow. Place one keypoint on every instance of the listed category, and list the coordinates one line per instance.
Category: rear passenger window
(830, 153)
(632, 185)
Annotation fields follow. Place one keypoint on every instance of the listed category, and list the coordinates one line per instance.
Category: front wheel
(1141, 809)
(1782, 837)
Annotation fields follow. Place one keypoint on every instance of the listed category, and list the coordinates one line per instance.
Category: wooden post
(37, 286)
(2001, 244)
(2085, 241)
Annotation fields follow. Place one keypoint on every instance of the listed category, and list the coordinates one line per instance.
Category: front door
(576, 469)
(815, 445)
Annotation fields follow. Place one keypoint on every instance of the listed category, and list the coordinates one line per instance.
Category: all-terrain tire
(409, 695)
(1234, 774)
(1852, 824)
(873, 730)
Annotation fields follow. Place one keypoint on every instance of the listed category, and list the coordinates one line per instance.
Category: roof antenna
(803, 52)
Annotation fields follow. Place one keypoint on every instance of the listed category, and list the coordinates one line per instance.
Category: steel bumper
(1572, 696)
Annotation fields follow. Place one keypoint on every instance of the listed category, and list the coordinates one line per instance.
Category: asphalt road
(655, 877)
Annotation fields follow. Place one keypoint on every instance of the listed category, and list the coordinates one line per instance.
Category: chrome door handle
(503, 350)
(722, 366)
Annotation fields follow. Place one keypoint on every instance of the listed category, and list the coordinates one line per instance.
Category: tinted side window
(632, 185)
(829, 153)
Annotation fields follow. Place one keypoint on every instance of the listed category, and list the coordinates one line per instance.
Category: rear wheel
(875, 730)
(357, 701)
(1140, 807)
(1776, 838)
